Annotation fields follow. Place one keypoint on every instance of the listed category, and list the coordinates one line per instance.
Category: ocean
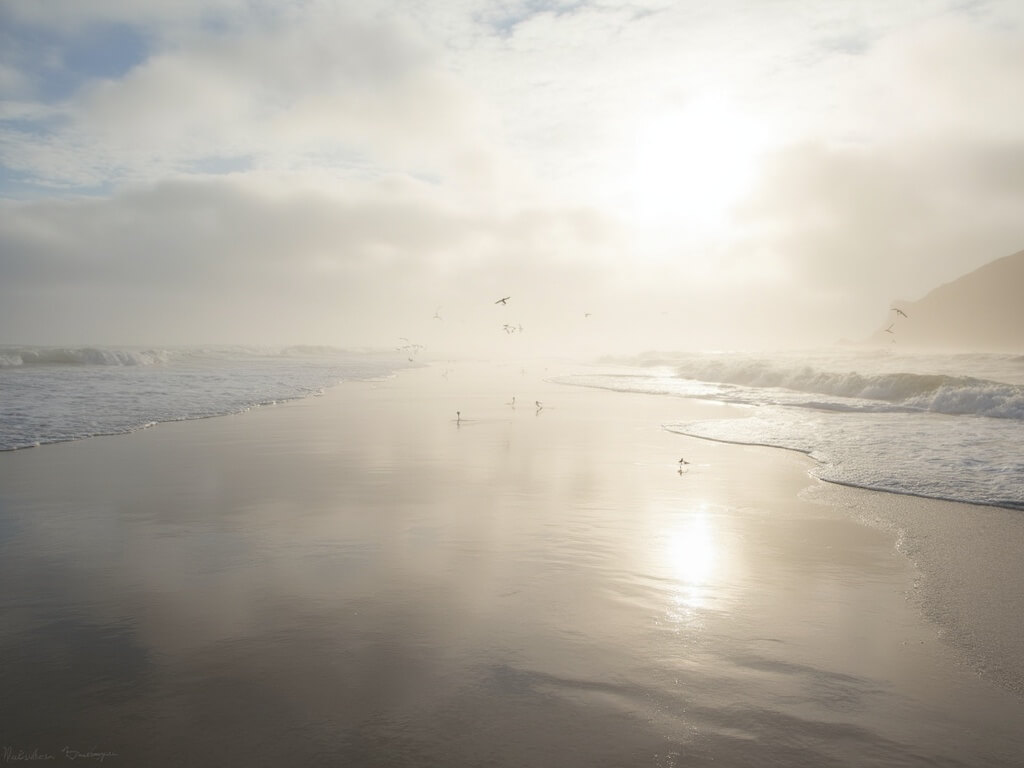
(56, 394)
(942, 426)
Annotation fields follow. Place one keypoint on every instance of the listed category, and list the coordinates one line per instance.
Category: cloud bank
(312, 173)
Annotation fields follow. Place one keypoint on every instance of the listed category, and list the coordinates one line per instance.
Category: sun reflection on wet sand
(690, 549)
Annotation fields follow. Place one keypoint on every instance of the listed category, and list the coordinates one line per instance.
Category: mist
(641, 178)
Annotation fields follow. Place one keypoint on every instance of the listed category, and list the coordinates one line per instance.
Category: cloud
(913, 179)
(247, 258)
(327, 173)
(274, 90)
(269, 260)
(952, 76)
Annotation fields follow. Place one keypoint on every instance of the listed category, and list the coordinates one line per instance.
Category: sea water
(55, 394)
(944, 426)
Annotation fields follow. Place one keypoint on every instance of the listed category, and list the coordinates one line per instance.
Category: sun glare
(690, 166)
(691, 551)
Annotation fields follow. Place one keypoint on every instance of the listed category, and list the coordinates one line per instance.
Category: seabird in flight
(900, 312)
(503, 300)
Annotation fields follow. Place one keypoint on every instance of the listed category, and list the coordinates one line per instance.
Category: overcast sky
(690, 174)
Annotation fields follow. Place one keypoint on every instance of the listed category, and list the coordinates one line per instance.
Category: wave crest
(17, 356)
(939, 393)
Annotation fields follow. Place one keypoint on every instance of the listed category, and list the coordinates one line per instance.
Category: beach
(420, 570)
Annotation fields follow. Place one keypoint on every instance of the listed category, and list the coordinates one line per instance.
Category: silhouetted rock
(981, 311)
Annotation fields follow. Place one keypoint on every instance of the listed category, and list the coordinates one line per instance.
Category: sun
(689, 168)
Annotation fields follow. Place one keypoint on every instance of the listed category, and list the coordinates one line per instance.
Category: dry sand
(361, 579)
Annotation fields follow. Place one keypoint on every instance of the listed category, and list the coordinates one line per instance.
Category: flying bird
(410, 349)
(899, 312)
(889, 329)
(503, 300)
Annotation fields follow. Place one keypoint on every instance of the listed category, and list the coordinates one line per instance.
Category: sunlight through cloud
(690, 166)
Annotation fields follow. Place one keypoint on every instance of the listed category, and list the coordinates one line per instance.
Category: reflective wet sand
(366, 578)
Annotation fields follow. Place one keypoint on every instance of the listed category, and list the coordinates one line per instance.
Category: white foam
(914, 425)
(58, 394)
(18, 356)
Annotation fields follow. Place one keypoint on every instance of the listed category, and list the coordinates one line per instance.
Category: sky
(645, 175)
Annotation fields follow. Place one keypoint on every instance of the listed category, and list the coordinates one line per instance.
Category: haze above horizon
(633, 175)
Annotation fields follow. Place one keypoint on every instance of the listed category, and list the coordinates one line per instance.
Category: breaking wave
(942, 426)
(900, 390)
(54, 394)
(17, 356)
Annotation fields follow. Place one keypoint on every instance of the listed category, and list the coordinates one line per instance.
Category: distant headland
(981, 311)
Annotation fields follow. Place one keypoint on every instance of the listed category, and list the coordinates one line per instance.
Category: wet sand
(362, 578)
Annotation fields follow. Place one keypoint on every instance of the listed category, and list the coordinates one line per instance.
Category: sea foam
(943, 426)
(18, 356)
(53, 394)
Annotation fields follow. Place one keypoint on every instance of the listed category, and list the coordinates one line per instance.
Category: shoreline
(1008, 506)
(358, 576)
